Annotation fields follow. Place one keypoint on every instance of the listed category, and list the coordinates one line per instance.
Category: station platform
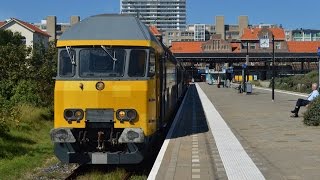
(221, 134)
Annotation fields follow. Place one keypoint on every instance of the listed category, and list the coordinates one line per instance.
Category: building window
(252, 46)
(23, 40)
(278, 45)
(244, 45)
(266, 36)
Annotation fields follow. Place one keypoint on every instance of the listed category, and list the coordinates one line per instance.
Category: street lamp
(318, 69)
(273, 67)
(264, 43)
(244, 73)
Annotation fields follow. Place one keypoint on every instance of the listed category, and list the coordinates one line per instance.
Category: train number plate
(99, 115)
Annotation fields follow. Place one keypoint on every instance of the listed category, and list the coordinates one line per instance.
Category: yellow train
(117, 85)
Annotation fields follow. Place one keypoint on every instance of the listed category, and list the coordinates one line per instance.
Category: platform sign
(244, 66)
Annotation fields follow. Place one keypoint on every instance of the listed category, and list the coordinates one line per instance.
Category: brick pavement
(282, 147)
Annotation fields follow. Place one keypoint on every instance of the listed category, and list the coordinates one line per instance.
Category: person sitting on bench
(304, 102)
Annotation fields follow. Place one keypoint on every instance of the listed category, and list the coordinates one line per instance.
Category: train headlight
(132, 114)
(126, 114)
(100, 86)
(73, 115)
(68, 114)
(122, 114)
(78, 114)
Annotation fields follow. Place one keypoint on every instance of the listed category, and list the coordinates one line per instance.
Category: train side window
(152, 65)
(66, 68)
(137, 63)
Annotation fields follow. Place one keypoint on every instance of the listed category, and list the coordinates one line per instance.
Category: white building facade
(164, 14)
(31, 34)
(199, 32)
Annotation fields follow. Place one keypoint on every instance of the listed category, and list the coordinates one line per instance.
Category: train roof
(109, 29)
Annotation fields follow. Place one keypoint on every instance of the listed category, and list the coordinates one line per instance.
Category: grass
(27, 145)
(117, 174)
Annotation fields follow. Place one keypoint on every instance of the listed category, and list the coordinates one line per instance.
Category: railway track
(127, 176)
(77, 172)
(83, 169)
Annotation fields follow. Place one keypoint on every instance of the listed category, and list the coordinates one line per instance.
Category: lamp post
(318, 68)
(273, 67)
(244, 74)
(264, 43)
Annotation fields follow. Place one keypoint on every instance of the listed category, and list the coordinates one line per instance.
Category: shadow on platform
(192, 118)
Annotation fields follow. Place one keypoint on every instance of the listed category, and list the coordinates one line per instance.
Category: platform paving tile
(280, 146)
(189, 153)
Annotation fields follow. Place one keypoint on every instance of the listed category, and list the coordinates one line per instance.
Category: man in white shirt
(304, 102)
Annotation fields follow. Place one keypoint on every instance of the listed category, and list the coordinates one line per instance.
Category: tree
(26, 73)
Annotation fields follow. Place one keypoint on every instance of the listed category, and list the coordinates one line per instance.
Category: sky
(292, 14)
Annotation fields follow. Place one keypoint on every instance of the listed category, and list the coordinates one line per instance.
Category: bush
(256, 83)
(298, 83)
(4, 127)
(312, 115)
(26, 91)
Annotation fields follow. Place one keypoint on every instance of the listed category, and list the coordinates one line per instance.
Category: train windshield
(66, 67)
(102, 62)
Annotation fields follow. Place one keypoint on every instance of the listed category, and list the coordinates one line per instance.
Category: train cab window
(66, 68)
(137, 63)
(99, 62)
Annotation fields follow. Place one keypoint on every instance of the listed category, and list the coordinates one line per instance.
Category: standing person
(304, 102)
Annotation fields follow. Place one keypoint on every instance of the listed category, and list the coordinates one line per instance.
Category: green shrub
(256, 83)
(298, 83)
(4, 127)
(312, 115)
(26, 92)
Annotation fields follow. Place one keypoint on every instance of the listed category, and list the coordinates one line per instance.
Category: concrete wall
(243, 23)
(220, 27)
(74, 20)
(51, 27)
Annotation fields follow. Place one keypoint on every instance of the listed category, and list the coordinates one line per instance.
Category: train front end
(105, 99)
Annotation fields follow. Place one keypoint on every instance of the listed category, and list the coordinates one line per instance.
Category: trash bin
(248, 87)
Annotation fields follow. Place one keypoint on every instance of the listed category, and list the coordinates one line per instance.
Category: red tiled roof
(252, 33)
(154, 30)
(186, 47)
(303, 46)
(26, 25)
(32, 27)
